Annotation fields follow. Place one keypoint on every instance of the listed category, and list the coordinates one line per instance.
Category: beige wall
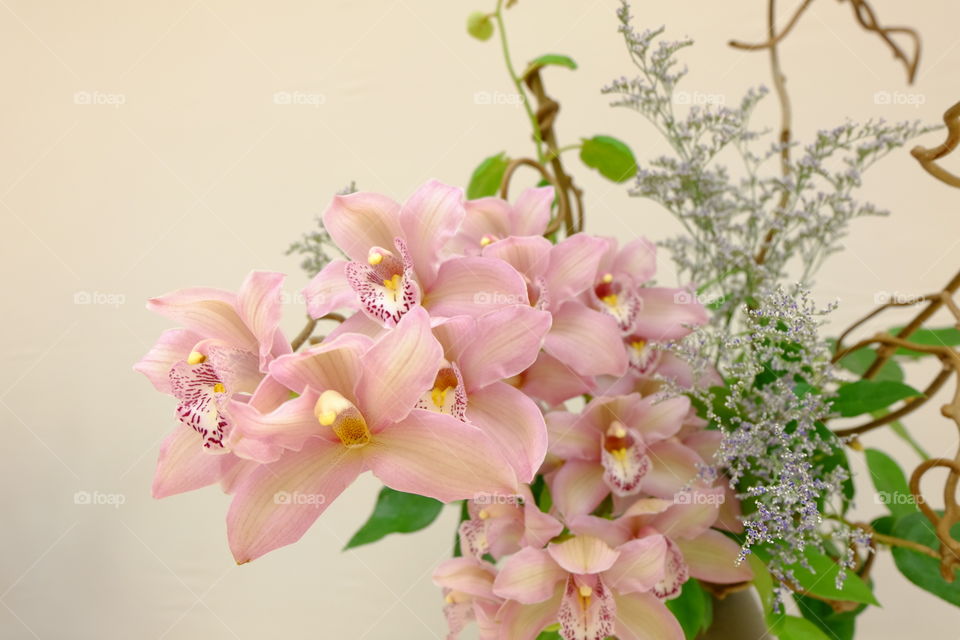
(199, 176)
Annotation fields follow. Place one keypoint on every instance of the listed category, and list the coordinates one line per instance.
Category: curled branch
(928, 157)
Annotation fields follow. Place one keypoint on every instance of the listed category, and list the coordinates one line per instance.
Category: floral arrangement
(623, 453)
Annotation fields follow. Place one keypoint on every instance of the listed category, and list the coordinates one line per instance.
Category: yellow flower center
(608, 278)
(610, 300)
(334, 411)
(196, 357)
(219, 388)
(374, 258)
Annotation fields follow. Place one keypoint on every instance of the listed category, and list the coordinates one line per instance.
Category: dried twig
(928, 157)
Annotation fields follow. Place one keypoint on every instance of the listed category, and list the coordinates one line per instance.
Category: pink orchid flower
(397, 261)
(504, 526)
(593, 589)
(489, 220)
(585, 340)
(357, 411)
(693, 548)
(221, 353)
(644, 314)
(468, 595)
(479, 353)
(623, 445)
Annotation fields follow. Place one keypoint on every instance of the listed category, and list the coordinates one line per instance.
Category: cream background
(199, 176)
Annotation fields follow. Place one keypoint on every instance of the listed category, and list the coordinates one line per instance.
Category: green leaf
(796, 628)
(693, 608)
(839, 626)
(821, 581)
(554, 59)
(865, 396)
(897, 427)
(396, 512)
(486, 178)
(612, 158)
(942, 337)
(479, 25)
(918, 568)
(891, 483)
(551, 633)
(860, 360)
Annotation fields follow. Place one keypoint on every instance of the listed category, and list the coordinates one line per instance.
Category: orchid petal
(638, 259)
(530, 255)
(640, 566)
(276, 503)
(173, 345)
(210, 313)
(666, 313)
(330, 290)
(466, 575)
(583, 555)
(506, 342)
(572, 435)
(397, 369)
(359, 221)
(525, 621)
(514, 422)
(488, 217)
(473, 286)
(660, 419)
(551, 380)
(674, 468)
(538, 527)
(429, 218)
(259, 305)
(578, 487)
(528, 576)
(694, 512)
(641, 616)
(612, 532)
(530, 214)
(573, 265)
(333, 364)
(712, 556)
(586, 340)
(287, 426)
(435, 455)
(184, 465)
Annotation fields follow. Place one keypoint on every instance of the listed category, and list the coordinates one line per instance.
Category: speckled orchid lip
(386, 285)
